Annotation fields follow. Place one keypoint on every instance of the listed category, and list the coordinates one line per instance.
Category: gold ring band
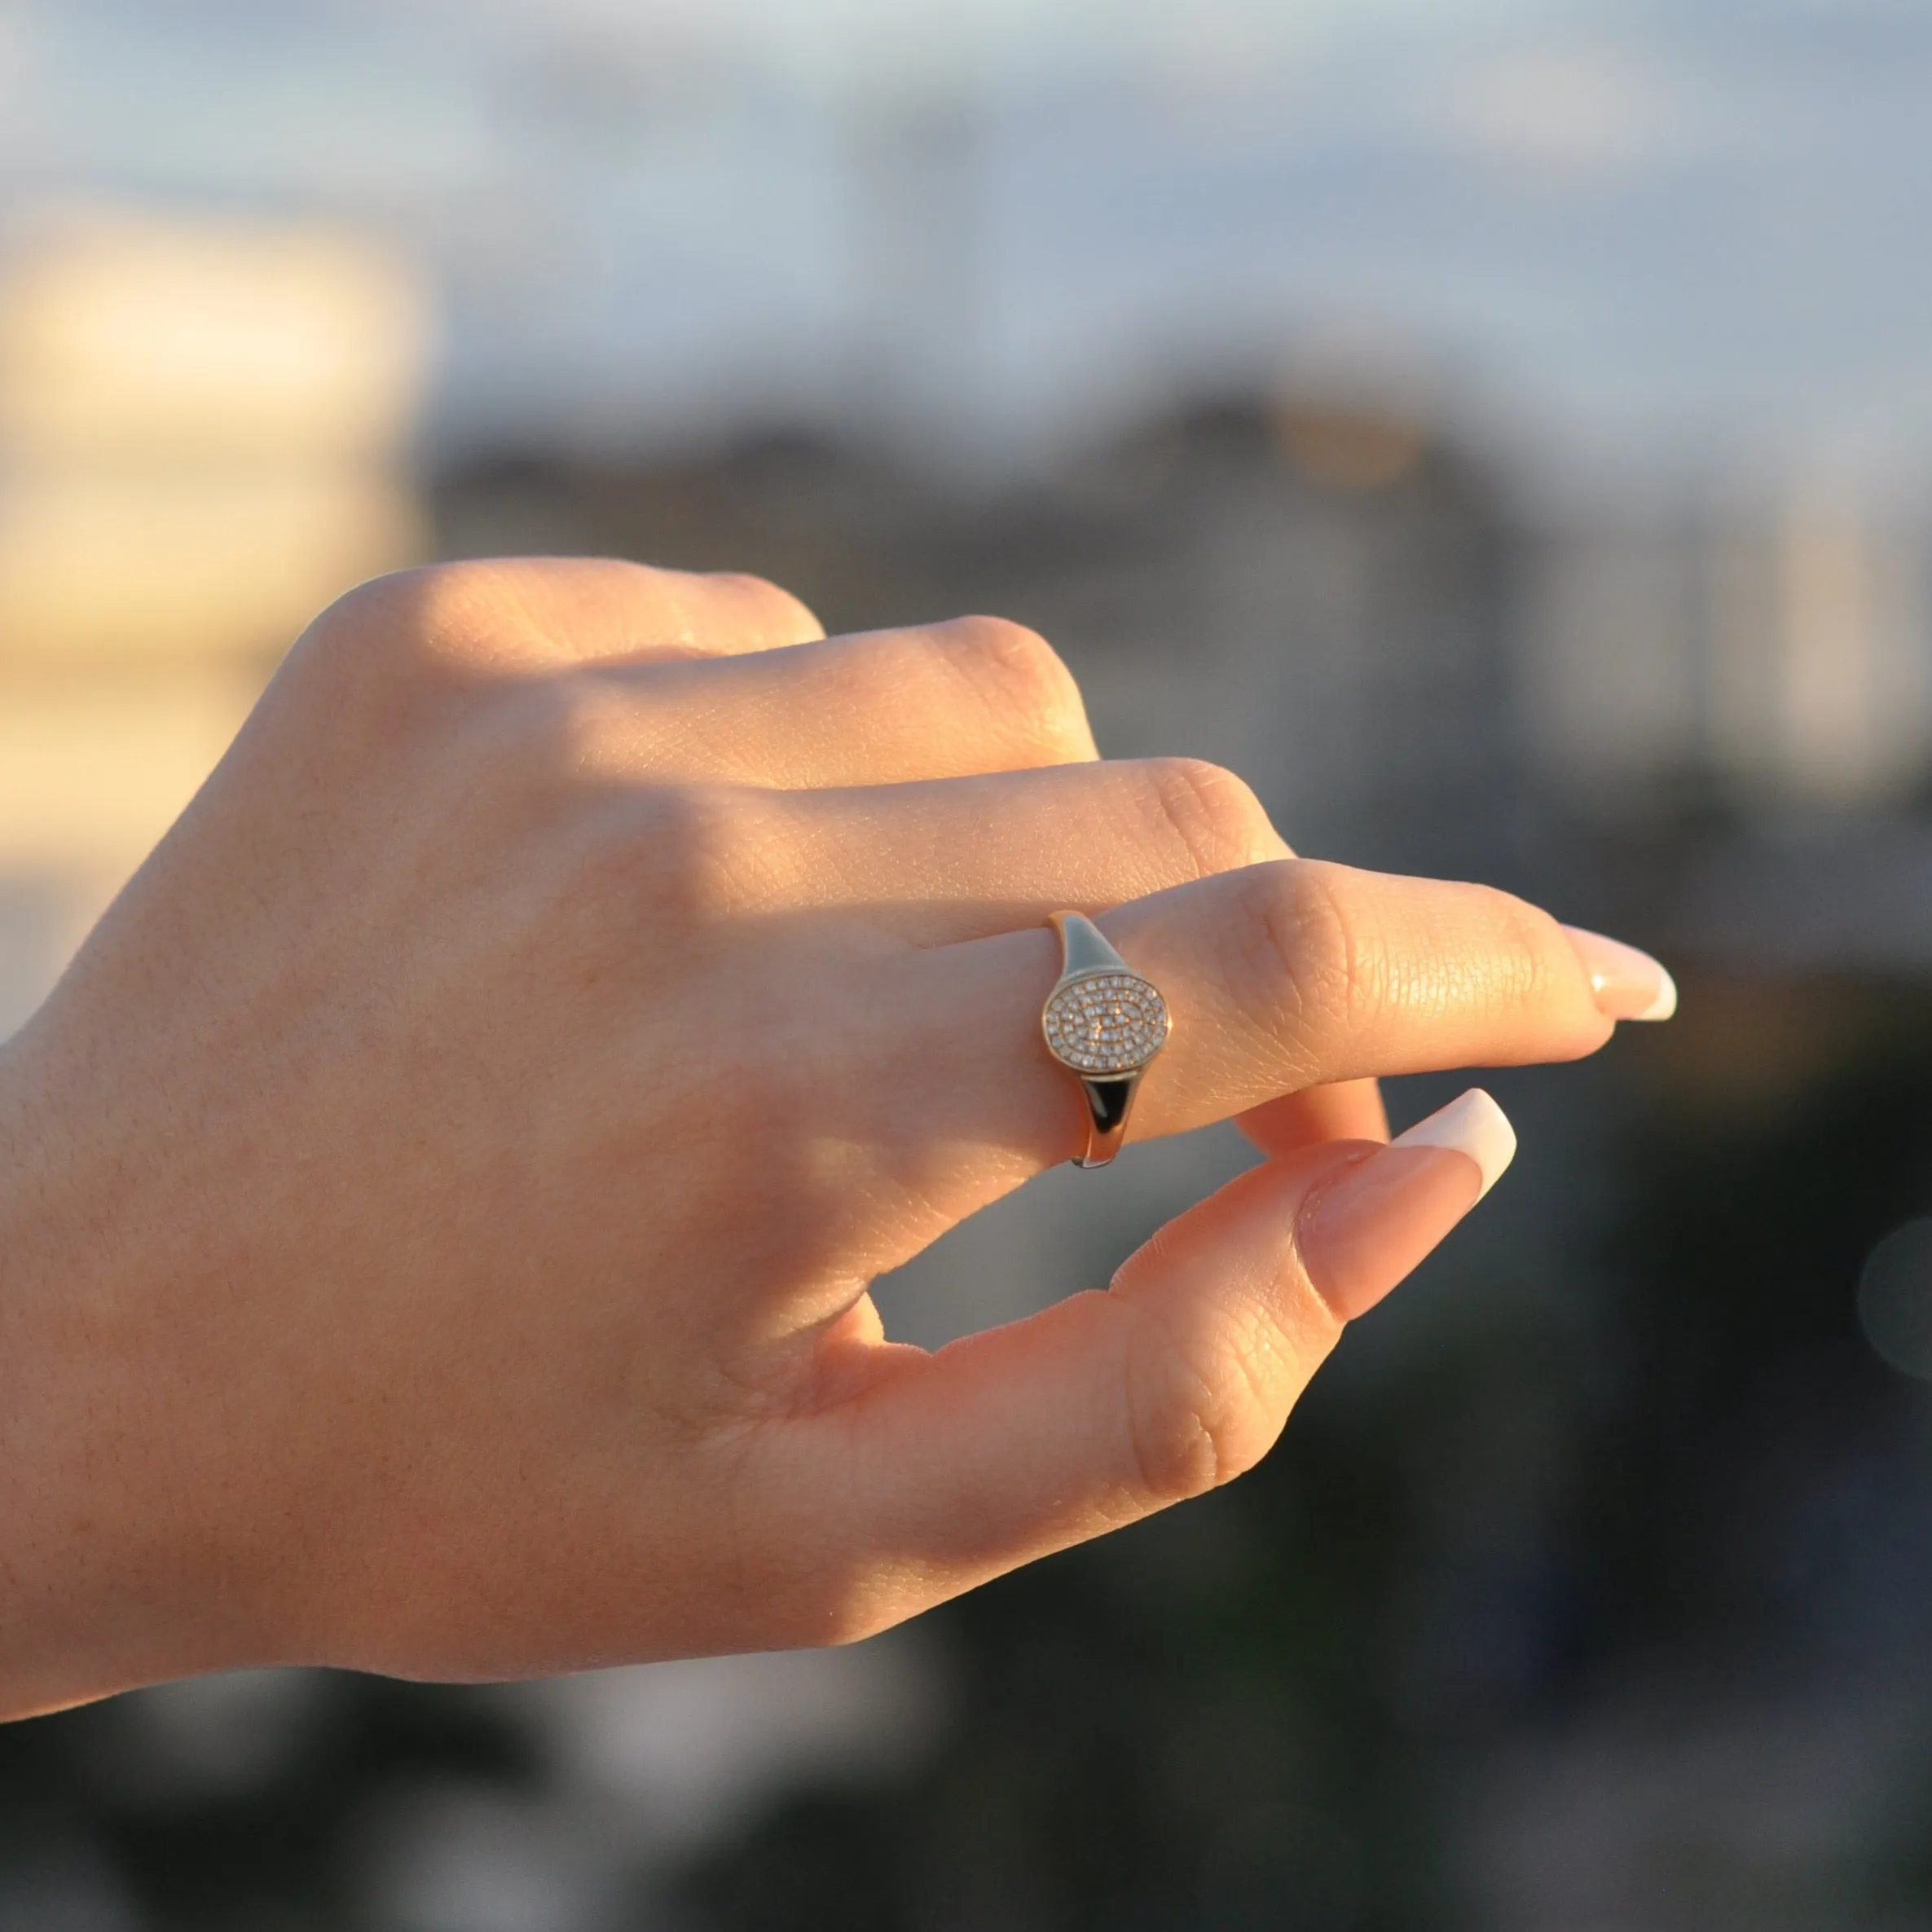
(1103, 1023)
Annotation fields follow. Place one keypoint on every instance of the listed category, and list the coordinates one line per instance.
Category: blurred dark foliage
(102, 1828)
(1760, 1457)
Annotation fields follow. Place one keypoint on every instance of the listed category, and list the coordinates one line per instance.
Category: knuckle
(369, 628)
(696, 854)
(555, 726)
(1018, 676)
(1213, 816)
(393, 597)
(1331, 941)
(1319, 957)
(1303, 950)
(1175, 1453)
(500, 615)
(535, 745)
(383, 662)
(1199, 1409)
(407, 623)
(680, 859)
(1529, 949)
(773, 613)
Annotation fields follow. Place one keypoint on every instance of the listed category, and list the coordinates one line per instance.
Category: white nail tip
(1474, 1125)
(1665, 1002)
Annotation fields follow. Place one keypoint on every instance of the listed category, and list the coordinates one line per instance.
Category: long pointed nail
(1367, 1228)
(1628, 984)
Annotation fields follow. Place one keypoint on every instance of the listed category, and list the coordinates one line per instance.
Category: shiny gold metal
(1103, 1022)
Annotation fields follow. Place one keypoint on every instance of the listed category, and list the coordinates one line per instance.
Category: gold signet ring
(1104, 1023)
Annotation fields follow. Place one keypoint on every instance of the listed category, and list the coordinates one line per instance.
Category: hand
(437, 1208)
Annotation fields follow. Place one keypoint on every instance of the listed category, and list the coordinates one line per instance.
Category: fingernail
(1628, 984)
(1366, 1229)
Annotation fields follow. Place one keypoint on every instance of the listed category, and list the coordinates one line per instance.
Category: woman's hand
(437, 1208)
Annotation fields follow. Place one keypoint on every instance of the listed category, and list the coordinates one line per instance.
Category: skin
(437, 1208)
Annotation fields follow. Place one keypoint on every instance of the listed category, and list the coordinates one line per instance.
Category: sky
(1636, 233)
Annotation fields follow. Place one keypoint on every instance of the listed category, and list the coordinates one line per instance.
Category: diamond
(1107, 1023)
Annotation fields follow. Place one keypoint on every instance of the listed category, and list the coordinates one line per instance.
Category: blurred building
(1317, 594)
(203, 433)
(1766, 652)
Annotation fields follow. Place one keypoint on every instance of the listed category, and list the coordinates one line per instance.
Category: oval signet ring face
(1103, 1022)
(1106, 1022)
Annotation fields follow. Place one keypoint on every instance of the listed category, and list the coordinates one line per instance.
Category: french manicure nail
(1365, 1229)
(1473, 1125)
(1628, 984)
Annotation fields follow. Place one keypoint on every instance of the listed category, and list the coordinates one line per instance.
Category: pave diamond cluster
(1106, 1024)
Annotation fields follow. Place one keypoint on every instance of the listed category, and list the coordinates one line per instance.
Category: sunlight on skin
(438, 1202)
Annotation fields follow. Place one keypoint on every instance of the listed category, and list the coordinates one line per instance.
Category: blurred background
(1500, 429)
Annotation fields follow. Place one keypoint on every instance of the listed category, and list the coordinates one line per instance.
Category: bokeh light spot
(1895, 1299)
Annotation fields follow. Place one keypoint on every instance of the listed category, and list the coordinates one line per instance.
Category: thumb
(1107, 1406)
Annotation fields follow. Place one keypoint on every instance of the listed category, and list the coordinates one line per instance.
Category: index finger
(514, 615)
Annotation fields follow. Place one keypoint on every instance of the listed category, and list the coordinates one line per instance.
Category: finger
(592, 608)
(527, 613)
(1348, 1109)
(955, 859)
(1279, 978)
(1025, 1439)
(976, 695)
